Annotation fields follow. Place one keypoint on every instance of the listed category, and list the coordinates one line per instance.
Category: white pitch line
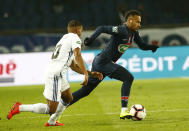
(170, 110)
(110, 113)
(185, 78)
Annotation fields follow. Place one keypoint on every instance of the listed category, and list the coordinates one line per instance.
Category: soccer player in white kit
(67, 54)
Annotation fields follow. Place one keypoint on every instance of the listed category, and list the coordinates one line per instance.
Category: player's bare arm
(76, 68)
(80, 63)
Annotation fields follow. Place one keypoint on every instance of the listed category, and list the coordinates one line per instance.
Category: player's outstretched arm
(101, 29)
(142, 45)
(80, 63)
(104, 29)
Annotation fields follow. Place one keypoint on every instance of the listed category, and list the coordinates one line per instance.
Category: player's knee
(128, 81)
(47, 109)
(68, 99)
(131, 78)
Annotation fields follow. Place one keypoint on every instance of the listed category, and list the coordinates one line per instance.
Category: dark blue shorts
(106, 68)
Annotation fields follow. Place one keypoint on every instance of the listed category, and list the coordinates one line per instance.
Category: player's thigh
(106, 68)
(65, 91)
(64, 84)
(122, 74)
(52, 89)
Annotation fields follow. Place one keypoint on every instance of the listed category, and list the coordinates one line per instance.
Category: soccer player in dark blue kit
(105, 62)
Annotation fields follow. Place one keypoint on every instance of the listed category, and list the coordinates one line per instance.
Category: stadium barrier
(46, 42)
(29, 68)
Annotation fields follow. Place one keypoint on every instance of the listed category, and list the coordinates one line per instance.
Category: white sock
(123, 109)
(39, 108)
(60, 109)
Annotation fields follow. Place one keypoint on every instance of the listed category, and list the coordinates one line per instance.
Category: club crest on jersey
(115, 29)
(122, 48)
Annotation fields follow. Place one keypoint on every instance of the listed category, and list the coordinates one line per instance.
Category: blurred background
(37, 25)
(32, 28)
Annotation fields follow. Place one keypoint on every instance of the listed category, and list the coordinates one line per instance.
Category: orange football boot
(14, 110)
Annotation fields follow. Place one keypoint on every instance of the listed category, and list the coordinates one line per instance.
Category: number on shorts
(56, 52)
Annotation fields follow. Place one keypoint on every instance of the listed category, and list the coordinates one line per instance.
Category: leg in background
(85, 90)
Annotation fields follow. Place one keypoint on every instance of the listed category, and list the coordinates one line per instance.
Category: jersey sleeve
(76, 42)
(140, 42)
(108, 30)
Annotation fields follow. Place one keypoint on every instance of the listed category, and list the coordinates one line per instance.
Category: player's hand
(154, 48)
(87, 41)
(84, 83)
(97, 75)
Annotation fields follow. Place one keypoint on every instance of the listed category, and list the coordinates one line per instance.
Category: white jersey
(63, 55)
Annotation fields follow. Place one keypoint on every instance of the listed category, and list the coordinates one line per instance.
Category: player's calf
(52, 106)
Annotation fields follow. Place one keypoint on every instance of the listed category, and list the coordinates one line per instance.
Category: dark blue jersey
(121, 39)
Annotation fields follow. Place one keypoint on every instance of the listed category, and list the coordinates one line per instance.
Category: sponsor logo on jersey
(115, 29)
(122, 48)
(78, 42)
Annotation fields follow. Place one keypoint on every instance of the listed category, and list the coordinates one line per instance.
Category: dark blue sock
(125, 92)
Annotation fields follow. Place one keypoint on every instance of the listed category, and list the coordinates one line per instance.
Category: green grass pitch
(166, 102)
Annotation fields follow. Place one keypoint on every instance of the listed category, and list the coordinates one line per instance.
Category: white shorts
(54, 87)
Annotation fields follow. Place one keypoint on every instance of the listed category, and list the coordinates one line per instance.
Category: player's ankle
(124, 109)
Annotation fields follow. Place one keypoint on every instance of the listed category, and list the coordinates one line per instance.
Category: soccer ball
(138, 112)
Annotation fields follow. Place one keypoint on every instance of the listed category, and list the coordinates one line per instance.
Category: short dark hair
(74, 23)
(132, 13)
